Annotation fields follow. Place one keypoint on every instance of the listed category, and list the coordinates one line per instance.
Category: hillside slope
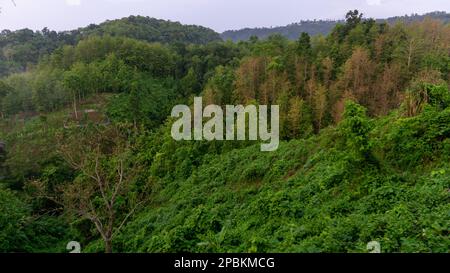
(324, 194)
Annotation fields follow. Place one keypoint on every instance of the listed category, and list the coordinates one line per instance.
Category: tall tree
(103, 192)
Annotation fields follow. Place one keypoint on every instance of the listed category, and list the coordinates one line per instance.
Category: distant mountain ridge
(314, 27)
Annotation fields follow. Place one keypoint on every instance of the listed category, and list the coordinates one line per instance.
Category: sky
(219, 15)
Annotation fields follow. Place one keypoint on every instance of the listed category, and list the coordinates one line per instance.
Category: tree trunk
(410, 52)
(108, 246)
(75, 105)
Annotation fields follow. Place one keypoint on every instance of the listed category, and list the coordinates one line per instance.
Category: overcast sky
(219, 15)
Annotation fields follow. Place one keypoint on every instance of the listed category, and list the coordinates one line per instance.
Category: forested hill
(153, 30)
(293, 31)
(23, 48)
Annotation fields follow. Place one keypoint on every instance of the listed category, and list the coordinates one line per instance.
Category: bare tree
(103, 190)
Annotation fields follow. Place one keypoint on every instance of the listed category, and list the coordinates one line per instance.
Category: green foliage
(95, 65)
(31, 150)
(23, 48)
(381, 173)
(439, 96)
(154, 30)
(48, 93)
(19, 95)
(355, 128)
(4, 91)
(305, 197)
(148, 103)
(21, 232)
(304, 44)
(153, 58)
(418, 140)
(13, 214)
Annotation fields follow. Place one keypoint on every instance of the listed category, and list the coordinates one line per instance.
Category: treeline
(377, 65)
(22, 49)
(324, 27)
(291, 31)
(153, 30)
(109, 65)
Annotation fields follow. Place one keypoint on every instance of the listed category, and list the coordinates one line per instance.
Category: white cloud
(73, 2)
(373, 2)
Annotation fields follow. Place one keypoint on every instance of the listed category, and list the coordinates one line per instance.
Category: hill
(312, 195)
(320, 194)
(23, 48)
(153, 30)
(314, 27)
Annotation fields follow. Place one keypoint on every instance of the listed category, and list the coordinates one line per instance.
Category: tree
(249, 77)
(275, 84)
(357, 76)
(75, 81)
(220, 86)
(387, 90)
(4, 91)
(190, 83)
(327, 71)
(319, 106)
(13, 215)
(418, 94)
(19, 96)
(299, 120)
(304, 45)
(104, 190)
(355, 127)
(48, 92)
(353, 18)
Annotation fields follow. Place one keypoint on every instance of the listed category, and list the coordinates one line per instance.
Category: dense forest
(316, 27)
(86, 153)
(23, 48)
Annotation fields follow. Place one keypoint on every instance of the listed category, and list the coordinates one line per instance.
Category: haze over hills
(314, 27)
